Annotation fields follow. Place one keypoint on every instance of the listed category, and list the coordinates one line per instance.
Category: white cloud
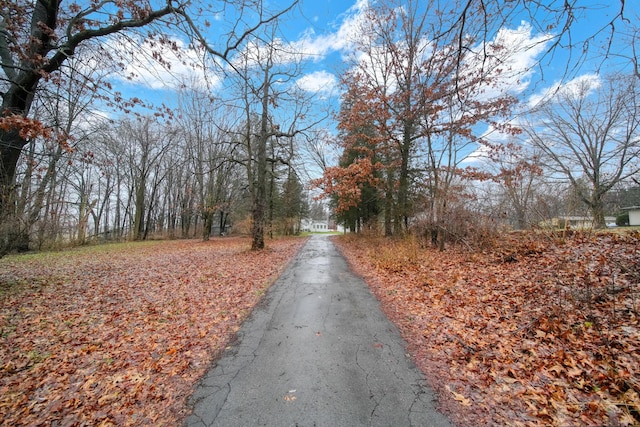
(479, 155)
(510, 58)
(515, 53)
(257, 52)
(314, 47)
(320, 82)
(309, 46)
(507, 62)
(574, 86)
(583, 84)
(342, 39)
(160, 65)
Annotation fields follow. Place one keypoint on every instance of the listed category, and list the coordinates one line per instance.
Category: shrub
(462, 226)
(622, 219)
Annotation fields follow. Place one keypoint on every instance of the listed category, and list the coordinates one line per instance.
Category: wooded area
(409, 120)
(71, 175)
(419, 93)
(476, 136)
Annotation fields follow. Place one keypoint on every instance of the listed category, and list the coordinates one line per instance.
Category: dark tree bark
(260, 201)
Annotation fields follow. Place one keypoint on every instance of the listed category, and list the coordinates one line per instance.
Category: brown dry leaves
(119, 334)
(538, 331)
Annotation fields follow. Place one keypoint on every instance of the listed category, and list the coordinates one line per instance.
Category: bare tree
(560, 19)
(65, 105)
(590, 132)
(203, 127)
(145, 152)
(266, 74)
(106, 184)
(38, 37)
(518, 176)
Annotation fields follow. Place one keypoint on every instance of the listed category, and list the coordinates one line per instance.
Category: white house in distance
(314, 225)
(634, 214)
(574, 222)
(319, 226)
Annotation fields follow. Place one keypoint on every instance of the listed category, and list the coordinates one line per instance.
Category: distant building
(634, 214)
(320, 225)
(574, 222)
(315, 225)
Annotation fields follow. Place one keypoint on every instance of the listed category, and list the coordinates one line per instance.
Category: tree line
(71, 174)
(415, 158)
(423, 80)
(144, 177)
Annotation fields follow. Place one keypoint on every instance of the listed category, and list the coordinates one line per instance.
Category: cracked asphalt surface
(317, 351)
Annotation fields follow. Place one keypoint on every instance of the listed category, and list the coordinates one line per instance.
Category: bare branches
(235, 41)
(591, 138)
(38, 37)
(68, 49)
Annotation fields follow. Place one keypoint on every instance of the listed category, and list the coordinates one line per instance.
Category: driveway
(317, 352)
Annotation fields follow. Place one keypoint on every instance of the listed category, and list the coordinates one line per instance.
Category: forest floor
(533, 330)
(537, 329)
(119, 334)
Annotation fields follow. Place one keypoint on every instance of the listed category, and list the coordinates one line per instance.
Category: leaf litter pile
(537, 331)
(120, 334)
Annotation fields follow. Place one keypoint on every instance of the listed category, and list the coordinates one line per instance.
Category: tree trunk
(388, 204)
(10, 146)
(259, 204)
(138, 222)
(402, 216)
(208, 225)
(258, 226)
(222, 223)
(597, 211)
(16, 101)
(260, 200)
(272, 180)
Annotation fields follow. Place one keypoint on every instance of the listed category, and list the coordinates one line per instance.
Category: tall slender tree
(266, 82)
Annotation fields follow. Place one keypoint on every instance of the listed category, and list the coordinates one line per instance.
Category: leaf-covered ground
(537, 331)
(119, 334)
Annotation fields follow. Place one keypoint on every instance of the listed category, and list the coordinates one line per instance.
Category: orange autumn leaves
(347, 182)
(536, 332)
(119, 334)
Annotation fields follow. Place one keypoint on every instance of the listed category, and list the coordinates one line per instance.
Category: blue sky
(317, 27)
(324, 29)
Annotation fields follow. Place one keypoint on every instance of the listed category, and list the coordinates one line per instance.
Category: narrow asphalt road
(317, 352)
